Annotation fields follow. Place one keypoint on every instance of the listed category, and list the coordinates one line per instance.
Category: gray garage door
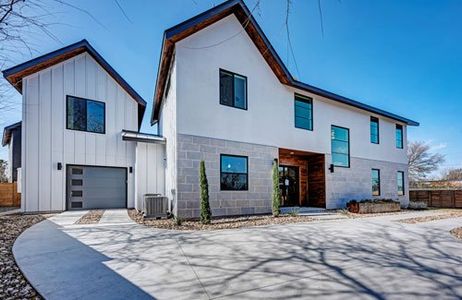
(96, 187)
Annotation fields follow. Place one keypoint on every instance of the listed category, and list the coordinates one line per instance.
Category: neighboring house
(12, 138)
(222, 95)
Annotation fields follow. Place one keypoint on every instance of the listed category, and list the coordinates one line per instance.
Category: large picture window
(85, 115)
(340, 144)
(303, 112)
(233, 89)
(374, 130)
(400, 183)
(399, 136)
(375, 182)
(233, 173)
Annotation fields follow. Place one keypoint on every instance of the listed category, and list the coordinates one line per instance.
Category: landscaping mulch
(358, 216)
(448, 215)
(13, 285)
(91, 217)
(219, 223)
(457, 232)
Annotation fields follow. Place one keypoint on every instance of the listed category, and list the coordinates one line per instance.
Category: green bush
(177, 221)
(206, 214)
(276, 196)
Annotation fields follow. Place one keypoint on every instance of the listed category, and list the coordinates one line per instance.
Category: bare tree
(19, 21)
(3, 171)
(422, 161)
(452, 174)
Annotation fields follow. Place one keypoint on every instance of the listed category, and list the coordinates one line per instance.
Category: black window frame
(374, 120)
(306, 99)
(86, 101)
(349, 151)
(400, 128)
(234, 98)
(379, 183)
(246, 174)
(402, 182)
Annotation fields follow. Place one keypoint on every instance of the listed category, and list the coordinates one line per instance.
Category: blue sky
(401, 56)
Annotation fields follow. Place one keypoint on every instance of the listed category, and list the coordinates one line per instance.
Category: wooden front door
(289, 185)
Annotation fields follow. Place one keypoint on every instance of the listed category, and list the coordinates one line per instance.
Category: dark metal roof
(190, 26)
(15, 74)
(7, 131)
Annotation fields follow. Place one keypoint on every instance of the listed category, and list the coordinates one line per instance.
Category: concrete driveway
(362, 258)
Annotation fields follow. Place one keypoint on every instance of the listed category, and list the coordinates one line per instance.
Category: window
(233, 89)
(375, 182)
(400, 183)
(340, 143)
(399, 136)
(233, 173)
(303, 112)
(374, 130)
(85, 115)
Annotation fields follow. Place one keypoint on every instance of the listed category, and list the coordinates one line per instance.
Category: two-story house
(222, 95)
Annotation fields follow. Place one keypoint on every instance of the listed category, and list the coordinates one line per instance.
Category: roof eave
(176, 33)
(15, 74)
(351, 102)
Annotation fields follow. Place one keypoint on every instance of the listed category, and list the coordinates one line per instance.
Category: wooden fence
(9, 195)
(438, 198)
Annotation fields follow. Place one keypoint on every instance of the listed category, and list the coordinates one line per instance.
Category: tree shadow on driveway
(333, 259)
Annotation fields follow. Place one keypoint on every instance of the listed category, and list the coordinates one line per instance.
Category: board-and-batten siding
(46, 141)
(149, 169)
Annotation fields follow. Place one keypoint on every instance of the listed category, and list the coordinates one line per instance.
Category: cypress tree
(206, 214)
(276, 195)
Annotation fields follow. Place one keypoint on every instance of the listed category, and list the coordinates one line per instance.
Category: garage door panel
(96, 187)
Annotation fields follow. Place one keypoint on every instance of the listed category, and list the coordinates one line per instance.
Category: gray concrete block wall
(346, 184)
(193, 149)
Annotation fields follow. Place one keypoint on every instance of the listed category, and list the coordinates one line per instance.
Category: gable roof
(242, 13)
(8, 131)
(14, 75)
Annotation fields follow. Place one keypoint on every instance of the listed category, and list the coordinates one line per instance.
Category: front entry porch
(302, 178)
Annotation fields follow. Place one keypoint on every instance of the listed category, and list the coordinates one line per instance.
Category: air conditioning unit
(155, 206)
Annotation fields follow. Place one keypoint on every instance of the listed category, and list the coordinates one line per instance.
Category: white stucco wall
(168, 129)
(149, 171)
(269, 119)
(46, 141)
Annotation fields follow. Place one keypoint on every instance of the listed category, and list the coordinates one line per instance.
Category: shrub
(206, 214)
(177, 221)
(417, 205)
(276, 196)
(294, 212)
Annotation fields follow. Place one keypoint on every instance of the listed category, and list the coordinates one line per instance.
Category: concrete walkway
(370, 258)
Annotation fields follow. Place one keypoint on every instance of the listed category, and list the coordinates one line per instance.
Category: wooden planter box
(373, 207)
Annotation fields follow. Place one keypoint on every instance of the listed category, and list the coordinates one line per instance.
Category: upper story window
(340, 144)
(85, 115)
(233, 89)
(303, 112)
(375, 174)
(400, 183)
(399, 136)
(374, 130)
(233, 173)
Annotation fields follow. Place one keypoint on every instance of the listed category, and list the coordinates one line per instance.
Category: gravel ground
(457, 232)
(13, 285)
(218, 223)
(91, 217)
(447, 215)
